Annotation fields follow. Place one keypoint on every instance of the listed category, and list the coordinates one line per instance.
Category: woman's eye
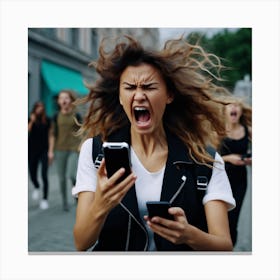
(148, 88)
(130, 88)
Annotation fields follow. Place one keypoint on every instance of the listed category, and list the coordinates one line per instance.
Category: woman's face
(64, 100)
(144, 96)
(39, 109)
(233, 112)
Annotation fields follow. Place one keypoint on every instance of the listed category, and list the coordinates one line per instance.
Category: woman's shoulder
(87, 144)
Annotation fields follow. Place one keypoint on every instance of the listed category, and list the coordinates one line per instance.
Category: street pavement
(51, 230)
(244, 237)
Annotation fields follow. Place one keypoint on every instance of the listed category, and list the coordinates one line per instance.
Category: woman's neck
(66, 110)
(235, 131)
(151, 150)
(233, 126)
(148, 144)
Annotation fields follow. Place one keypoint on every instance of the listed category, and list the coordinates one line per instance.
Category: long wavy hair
(195, 113)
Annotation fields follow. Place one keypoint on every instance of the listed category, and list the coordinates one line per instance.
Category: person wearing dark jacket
(162, 106)
(38, 145)
(236, 153)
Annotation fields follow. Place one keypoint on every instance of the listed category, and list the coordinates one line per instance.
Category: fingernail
(154, 220)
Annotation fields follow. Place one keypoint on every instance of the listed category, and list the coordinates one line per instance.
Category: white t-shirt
(217, 189)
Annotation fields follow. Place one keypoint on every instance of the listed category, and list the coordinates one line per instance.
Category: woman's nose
(139, 94)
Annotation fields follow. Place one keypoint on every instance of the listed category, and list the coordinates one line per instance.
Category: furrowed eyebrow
(128, 84)
(142, 85)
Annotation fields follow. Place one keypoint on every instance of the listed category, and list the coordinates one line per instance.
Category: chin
(142, 130)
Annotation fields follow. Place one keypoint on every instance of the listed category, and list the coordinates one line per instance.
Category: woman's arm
(31, 121)
(51, 144)
(94, 207)
(218, 236)
(234, 159)
(181, 232)
(88, 222)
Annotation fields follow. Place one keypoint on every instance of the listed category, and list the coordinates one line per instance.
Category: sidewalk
(51, 230)
(244, 238)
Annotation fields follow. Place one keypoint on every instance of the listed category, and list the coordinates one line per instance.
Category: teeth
(140, 109)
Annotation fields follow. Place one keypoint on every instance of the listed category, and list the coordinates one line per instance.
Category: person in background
(235, 149)
(38, 145)
(65, 143)
(162, 103)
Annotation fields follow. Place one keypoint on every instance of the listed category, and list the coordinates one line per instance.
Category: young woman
(64, 143)
(38, 144)
(162, 106)
(235, 151)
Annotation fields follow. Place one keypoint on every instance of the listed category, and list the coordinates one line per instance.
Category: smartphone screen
(116, 156)
(159, 208)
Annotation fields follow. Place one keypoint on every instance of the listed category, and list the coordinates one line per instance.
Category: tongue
(143, 117)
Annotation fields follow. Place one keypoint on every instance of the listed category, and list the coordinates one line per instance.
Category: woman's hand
(248, 161)
(109, 193)
(93, 207)
(175, 231)
(50, 157)
(234, 159)
(33, 118)
(180, 231)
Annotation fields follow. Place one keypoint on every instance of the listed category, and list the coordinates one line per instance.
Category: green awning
(58, 78)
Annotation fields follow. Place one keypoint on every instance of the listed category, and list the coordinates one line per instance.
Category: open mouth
(142, 114)
(233, 114)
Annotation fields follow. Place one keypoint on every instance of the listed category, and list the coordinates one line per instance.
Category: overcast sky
(171, 33)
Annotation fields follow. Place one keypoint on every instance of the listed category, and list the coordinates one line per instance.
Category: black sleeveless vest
(124, 230)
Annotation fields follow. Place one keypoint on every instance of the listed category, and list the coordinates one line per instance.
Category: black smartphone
(117, 155)
(159, 208)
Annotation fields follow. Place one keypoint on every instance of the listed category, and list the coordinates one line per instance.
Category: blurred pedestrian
(235, 149)
(64, 143)
(161, 104)
(38, 145)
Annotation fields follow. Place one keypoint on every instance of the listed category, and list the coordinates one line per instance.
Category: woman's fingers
(110, 190)
(122, 187)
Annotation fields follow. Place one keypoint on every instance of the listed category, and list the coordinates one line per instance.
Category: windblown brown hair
(195, 113)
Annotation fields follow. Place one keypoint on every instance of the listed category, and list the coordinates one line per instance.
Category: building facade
(243, 89)
(58, 59)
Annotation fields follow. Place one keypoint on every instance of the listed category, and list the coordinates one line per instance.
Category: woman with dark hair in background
(162, 103)
(236, 153)
(38, 145)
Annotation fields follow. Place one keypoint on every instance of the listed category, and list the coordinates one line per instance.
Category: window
(94, 43)
(74, 38)
(47, 32)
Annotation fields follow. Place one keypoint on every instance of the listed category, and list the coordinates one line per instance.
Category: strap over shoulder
(203, 174)
(97, 153)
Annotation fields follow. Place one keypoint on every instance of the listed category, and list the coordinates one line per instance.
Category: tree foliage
(234, 50)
